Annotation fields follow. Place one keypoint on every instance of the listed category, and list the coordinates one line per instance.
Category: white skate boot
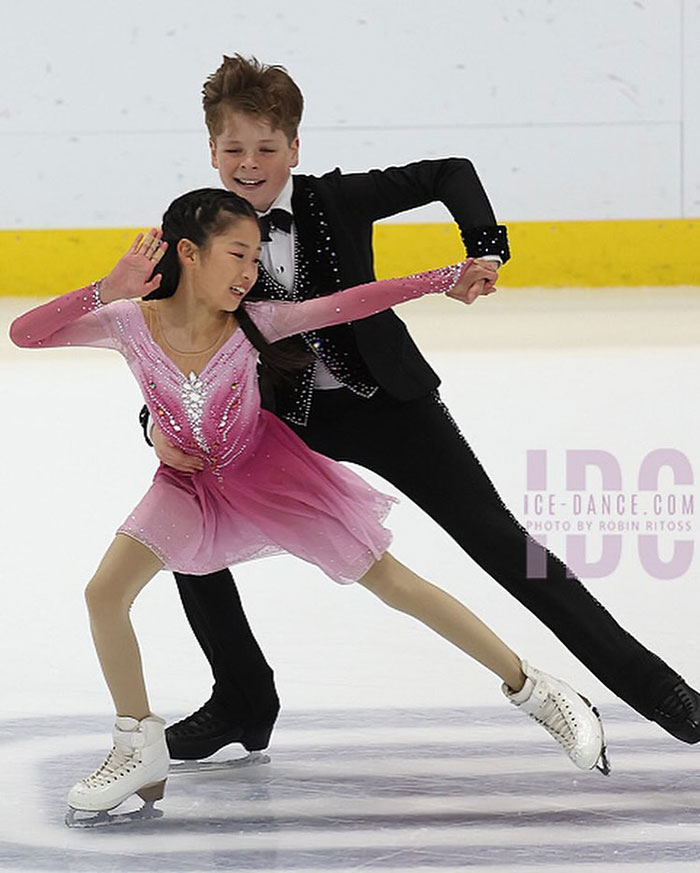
(137, 764)
(564, 714)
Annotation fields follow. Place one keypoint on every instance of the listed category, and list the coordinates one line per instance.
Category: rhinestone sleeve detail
(286, 319)
(480, 241)
(75, 318)
(96, 299)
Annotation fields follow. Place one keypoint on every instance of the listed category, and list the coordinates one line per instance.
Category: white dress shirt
(277, 256)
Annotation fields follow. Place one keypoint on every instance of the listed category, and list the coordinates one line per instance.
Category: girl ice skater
(193, 346)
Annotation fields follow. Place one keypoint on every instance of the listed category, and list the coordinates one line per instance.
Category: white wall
(569, 108)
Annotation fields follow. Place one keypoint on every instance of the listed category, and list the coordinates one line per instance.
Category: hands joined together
(478, 280)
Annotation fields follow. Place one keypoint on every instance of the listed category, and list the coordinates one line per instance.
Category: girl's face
(227, 267)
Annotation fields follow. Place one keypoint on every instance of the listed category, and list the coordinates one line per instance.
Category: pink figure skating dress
(263, 490)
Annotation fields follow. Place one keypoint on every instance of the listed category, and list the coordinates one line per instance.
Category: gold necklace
(180, 351)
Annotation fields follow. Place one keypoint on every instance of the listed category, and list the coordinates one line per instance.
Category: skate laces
(678, 705)
(554, 721)
(118, 763)
(197, 723)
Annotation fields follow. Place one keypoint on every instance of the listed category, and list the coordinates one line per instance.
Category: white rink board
(590, 100)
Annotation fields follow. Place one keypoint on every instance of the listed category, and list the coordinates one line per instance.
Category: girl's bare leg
(402, 589)
(125, 569)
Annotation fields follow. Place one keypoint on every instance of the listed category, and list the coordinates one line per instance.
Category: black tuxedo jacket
(350, 204)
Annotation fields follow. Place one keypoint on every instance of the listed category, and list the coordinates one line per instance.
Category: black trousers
(417, 446)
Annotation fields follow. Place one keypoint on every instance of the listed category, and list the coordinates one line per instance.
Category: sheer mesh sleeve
(76, 319)
(278, 319)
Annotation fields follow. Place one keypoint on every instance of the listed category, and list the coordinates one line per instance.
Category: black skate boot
(679, 712)
(210, 728)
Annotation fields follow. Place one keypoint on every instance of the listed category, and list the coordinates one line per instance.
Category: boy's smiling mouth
(249, 183)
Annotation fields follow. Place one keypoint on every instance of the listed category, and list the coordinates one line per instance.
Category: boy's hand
(172, 456)
(478, 280)
(129, 277)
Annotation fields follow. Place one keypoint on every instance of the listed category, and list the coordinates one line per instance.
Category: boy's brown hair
(246, 85)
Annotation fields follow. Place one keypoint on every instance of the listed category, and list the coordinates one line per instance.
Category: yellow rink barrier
(549, 254)
(560, 253)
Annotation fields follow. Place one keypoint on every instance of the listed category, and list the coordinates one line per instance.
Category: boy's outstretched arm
(452, 181)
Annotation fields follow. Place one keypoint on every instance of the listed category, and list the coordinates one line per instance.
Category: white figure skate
(138, 764)
(567, 716)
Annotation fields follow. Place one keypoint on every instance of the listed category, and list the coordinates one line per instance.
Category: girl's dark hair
(198, 216)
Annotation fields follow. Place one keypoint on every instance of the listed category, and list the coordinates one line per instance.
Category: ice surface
(393, 752)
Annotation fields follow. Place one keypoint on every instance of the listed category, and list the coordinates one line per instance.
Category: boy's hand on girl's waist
(130, 275)
(171, 456)
(477, 280)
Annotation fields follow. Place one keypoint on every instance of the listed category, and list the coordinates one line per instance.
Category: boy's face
(253, 160)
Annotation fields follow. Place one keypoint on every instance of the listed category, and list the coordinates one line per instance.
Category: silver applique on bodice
(193, 393)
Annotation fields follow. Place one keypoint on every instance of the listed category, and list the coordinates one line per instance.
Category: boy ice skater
(369, 397)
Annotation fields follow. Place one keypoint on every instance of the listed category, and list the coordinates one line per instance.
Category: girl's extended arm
(80, 318)
(77, 318)
(278, 319)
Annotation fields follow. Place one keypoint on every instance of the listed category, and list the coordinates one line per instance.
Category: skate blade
(78, 818)
(603, 763)
(250, 760)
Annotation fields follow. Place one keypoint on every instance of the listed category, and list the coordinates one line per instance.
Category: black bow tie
(275, 219)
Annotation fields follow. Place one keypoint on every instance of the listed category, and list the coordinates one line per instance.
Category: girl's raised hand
(130, 276)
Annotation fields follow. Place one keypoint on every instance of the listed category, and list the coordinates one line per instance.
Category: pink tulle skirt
(279, 497)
